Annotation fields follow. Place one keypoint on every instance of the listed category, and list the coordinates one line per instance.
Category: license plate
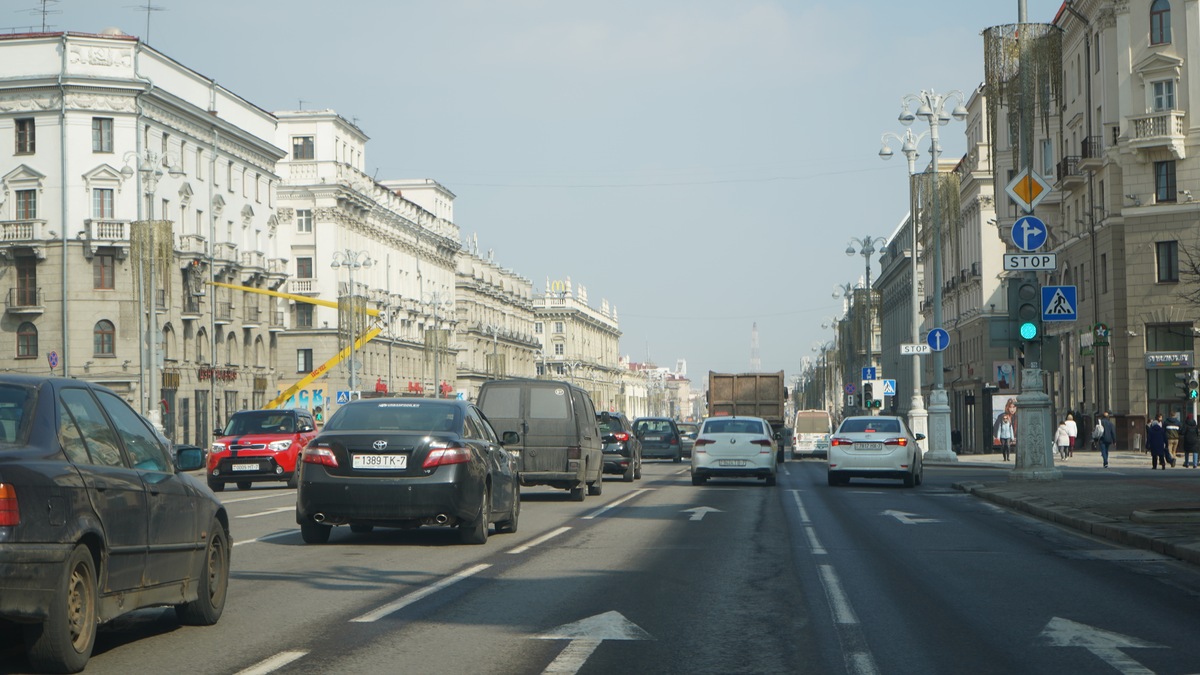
(652, 438)
(379, 461)
(245, 467)
(731, 462)
(868, 446)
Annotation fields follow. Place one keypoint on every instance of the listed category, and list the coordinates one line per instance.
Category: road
(660, 576)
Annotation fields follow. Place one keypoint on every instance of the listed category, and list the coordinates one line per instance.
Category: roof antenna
(147, 8)
(45, 11)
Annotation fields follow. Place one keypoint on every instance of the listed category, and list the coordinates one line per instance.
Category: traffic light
(1025, 307)
(869, 398)
(1182, 380)
(1193, 386)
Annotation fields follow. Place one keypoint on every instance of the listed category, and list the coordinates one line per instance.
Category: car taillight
(620, 436)
(443, 454)
(574, 452)
(896, 441)
(674, 441)
(766, 445)
(319, 454)
(698, 446)
(10, 515)
(841, 441)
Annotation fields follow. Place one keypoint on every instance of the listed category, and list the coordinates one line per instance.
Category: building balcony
(227, 252)
(106, 233)
(303, 286)
(24, 301)
(254, 259)
(193, 246)
(277, 321)
(252, 316)
(190, 307)
(1093, 152)
(1069, 171)
(31, 234)
(1159, 130)
(223, 313)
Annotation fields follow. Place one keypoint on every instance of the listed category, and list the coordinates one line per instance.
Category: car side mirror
(919, 437)
(510, 438)
(218, 432)
(305, 428)
(189, 458)
(778, 436)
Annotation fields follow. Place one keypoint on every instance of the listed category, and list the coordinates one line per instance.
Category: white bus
(810, 434)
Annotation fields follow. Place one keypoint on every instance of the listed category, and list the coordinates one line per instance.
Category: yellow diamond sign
(1027, 189)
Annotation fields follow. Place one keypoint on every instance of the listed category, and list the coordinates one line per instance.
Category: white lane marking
(273, 495)
(800, 505)
(1105, 645)
(268, 513)
(572, 658)
(699, 512)
(786, 470)
(587, 634)
(813, 542)
(540, 540)
(608, 506)
(682, 471)
(860, 661)
(377, 614)
(839, 604)
(272, 664)
(266, 537)
(909, 518)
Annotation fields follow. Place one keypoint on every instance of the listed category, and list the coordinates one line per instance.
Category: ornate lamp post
(866, 247)
(918, 418)
(351, 308)
(931, 108)
(822, 350)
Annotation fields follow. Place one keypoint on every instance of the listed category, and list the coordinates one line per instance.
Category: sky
(700, 164)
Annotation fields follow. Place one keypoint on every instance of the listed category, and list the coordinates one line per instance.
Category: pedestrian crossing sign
(1058, 303)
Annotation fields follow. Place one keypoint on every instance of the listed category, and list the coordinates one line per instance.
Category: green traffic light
(1028, 330)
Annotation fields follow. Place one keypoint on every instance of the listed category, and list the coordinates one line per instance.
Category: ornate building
(578, 342)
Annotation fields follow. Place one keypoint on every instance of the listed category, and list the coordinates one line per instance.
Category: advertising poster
(1004, 374)
(1000, 405)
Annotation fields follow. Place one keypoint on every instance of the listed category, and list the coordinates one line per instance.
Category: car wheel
(476, 531)
(63, 642)
(212, 583)
(244, 484)
(920, 472)
(216, 485)
(630, 472)
(910, 478)
(771, 480)
(699, 480)
(315, 533)
(361, 528)
(578, 492)
(509, 526)
(293, 480)
(834, 480)
(678, 458)
(638, 474)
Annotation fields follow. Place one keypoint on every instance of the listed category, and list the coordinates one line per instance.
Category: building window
(27, 290)
(1104, 273)
(1164, 181)
(27, 341)
(229, 176)
(102, 203)
(304, 220)
(304, 316)
(104, 267)
(199, 222)
(303, 148)
(1160, 22)
(258, 188)
(1163, 95)
(102, 134)
(26, 204)
(537, 328)
(25, 137)
(1047, 157)
(304, 360)
(199, 163)
(166, 141)
(559, 327)
(103, 338)
(558, 349)
(304, 268)
(1168, 261)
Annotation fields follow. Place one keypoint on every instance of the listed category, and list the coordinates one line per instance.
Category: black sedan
(622, 449)
(402, 462)
(98, 519)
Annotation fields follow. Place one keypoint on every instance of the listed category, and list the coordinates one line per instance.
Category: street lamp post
(866, 247)
(437, 299)
(353, 308)
(494, 329)
(822, 350)
(931, 108)
(918, 418)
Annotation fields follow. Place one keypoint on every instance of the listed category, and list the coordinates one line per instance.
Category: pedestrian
(1173, 427)
(1156, 443)
(1004, 433)
(1191, 442)
(1062, 439)
(1073, 432)
(1108, 437)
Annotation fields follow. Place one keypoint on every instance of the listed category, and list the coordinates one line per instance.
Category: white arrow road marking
(267, 513)
(699, 512)
(587, 634)
(1107, 645)
(909, 518)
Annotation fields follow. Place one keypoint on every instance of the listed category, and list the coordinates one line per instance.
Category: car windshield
(414, 416)
(885, 426)
(689, 428)
(261, 422)
(733, 427)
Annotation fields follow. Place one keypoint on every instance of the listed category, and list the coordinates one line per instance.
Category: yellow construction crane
(324, 367)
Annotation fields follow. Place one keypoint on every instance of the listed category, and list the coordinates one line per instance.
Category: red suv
(259, 445)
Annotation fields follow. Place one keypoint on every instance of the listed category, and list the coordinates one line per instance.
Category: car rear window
(612, 425)
(15, 402)
(502, 403)
(733, 427)
(397, 416)
(652, 426)
(861, 426)
(547, 403)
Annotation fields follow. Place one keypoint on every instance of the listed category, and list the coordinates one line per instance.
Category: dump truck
(751, 394)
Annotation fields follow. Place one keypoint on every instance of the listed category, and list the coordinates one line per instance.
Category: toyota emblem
(379, 445)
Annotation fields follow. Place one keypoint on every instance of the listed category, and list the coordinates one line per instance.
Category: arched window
(27, 341)
(103, 336)
(1160, 22)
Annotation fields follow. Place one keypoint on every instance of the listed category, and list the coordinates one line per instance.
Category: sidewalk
(1128, 503)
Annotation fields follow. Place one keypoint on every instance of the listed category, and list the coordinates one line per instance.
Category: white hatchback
(875, 447)
(734, 447)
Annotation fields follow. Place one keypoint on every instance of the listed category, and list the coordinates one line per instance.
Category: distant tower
(755, 361)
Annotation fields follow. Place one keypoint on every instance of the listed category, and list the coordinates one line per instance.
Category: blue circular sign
(1029, 233)
(938, 339)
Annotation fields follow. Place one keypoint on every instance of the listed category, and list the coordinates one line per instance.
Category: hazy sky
(700, 164)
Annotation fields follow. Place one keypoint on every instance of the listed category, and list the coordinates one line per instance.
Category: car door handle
(100, 485)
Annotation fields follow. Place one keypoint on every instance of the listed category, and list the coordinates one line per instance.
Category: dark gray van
(560, 440)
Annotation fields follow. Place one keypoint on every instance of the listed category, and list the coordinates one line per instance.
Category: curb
(1136, 535)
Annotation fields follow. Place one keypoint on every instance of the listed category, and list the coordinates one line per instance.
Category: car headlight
(217, 447)
(279, 446)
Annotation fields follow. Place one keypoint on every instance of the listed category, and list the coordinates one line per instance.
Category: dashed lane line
(540, 540)
(268, 513)
(617, 502)
(272, 664)
(376, 614)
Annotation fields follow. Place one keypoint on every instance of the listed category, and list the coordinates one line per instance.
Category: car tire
(216, 485)
(699, 480)
(910, 478)
(212, 584)
(244, 484)
(476, 531)
(677, 458)
(361, 528)
(315, 533)
(920, 471)
(596, 487)
(509, 526)
(638, 475)
(578, 492)
(293, 480)
(771, 480)
(63, 642)
(836, 480)
(630, 472)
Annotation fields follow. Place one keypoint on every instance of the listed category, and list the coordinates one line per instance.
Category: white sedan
(734, 447)
(875, 447)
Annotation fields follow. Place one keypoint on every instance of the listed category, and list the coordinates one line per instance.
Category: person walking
(1156, 442)
(1108, 437)
(1191, 442)
(1073, 432)
(1004, 434)
(1062, 439)
(1173, 427)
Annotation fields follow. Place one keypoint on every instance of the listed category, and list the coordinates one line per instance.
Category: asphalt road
(660, 576)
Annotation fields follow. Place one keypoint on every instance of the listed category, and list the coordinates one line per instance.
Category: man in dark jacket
(1156, 443)
(1109, 437)
(1174, 426)
(1191, 442)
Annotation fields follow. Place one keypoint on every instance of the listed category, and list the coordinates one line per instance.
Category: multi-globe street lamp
(822, 349)
(353, 310)
(931, 108)
(917, 416)
(867, 247)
